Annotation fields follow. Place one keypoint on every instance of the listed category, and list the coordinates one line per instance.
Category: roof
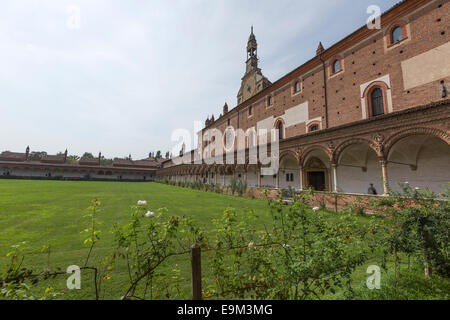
(71, 166)
(122, 162)
(89, 161)
(13, 156)
(54, 159)
(146, 163)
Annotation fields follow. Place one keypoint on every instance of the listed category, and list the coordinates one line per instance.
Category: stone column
(258, 173)
(335, 182)
(215, 177)
(277, 180)
(300, 175)
(384, 172)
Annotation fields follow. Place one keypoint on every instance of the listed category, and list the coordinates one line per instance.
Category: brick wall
(362, 62)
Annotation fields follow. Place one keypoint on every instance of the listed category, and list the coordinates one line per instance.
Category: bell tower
(253, 80)
(252, 53)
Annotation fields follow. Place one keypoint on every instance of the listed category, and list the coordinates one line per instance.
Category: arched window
(397, 35)
(297, 87)
(336, 66)
(314, 127)
(251, 139)
(280, 130)
(377, 105)
(269, 100)
(250, 110)
(229, 138)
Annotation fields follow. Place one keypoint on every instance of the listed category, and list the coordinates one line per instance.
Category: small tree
(88, 155)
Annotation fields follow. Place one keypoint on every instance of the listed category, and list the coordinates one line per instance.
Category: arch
(251, 137)
(388, 32)
(311, 126)
(296, 86)
(420, 156)
(358, 166)
(397, 34)
(281, 128)
(289, 170)
(336, 67)
(392, 140)
(269, 100)
(310, 149)
(221, 168)
(229, 145)
(316, 174)
(229, 168)
(286, 153)
(367, 96)
(332, 62)
(347, 143)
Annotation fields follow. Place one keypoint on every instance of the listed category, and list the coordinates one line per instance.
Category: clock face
(249, 89)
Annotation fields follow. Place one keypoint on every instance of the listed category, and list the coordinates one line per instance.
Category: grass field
(43, 212)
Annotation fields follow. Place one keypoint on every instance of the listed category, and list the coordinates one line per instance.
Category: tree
(73, 159)
(158, 154)
(105, 162)
(37, 155)
(88, 155)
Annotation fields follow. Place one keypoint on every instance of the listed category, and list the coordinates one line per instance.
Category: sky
(119, 76)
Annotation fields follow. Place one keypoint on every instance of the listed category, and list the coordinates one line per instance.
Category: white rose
(149, 214)
(142, 203)
(316, 209)
(250, 245)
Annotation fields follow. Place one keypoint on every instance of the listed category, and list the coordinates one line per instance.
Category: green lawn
(43, 212)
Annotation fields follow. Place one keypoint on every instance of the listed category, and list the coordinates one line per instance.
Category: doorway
(316, 180)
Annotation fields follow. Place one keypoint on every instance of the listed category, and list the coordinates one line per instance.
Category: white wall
(433, 167)
(268, 181)
(284, 184)
(252, 179)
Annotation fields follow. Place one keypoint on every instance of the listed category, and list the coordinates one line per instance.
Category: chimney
(225, 109)
(99, 157)
(27, 153)
(320, 49)
(65, 156)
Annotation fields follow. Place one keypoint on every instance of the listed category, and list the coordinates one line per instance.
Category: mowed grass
(53, 212)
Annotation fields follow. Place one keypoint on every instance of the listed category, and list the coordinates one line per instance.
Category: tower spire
(253, 80)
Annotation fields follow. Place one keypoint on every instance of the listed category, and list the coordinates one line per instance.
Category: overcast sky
(127, 73)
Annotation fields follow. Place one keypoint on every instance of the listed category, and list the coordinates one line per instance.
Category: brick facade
(411, 75)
